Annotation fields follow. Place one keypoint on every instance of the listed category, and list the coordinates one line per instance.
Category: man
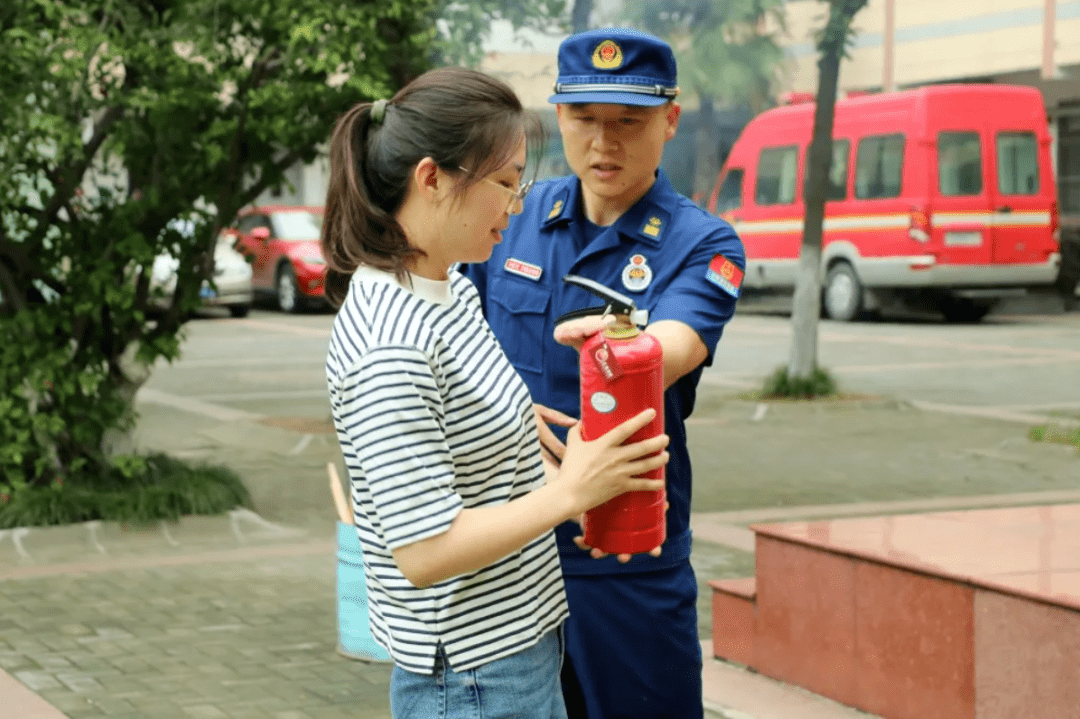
(632, 642)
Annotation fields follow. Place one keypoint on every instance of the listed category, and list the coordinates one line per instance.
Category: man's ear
(672, 113)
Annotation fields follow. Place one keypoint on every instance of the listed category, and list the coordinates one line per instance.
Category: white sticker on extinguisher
(602, 402)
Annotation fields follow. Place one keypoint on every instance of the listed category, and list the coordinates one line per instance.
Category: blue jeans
(521, 686)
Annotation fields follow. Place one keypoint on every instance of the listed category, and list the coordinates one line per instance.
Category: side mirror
(260, 233)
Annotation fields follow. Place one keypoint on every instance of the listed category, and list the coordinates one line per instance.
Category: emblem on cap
(607, 55)
(555, 209)
(637, 274)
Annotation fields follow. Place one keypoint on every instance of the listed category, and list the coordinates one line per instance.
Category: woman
(448, 485)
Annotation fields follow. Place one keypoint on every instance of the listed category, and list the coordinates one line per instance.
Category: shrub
(136, 490)
(779, 385)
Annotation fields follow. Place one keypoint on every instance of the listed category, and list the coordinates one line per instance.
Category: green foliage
(836, 36)
(1057, 435)
(462, 26)
(727, 51)
(120, 117)
(137, 489)
(780, 384)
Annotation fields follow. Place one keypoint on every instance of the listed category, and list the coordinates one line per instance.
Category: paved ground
(234, 617)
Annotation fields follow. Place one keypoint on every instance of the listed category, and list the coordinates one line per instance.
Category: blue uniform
(680, 263)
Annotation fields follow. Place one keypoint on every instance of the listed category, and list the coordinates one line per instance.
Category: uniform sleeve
(698, 296)
(391, 410)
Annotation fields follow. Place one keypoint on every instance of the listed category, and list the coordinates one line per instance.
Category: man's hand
(623, 558)
(574, 333)
(551, 447)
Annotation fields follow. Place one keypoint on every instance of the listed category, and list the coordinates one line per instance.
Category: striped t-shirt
(433, 419)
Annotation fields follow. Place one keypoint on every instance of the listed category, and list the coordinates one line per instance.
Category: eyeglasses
(518, 194)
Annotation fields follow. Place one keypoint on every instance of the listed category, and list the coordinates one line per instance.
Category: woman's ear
(430, 181)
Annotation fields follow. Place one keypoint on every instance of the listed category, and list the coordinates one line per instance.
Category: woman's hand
(574, 333)
(593, 472)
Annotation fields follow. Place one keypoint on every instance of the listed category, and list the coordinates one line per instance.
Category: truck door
(963, 208)
(1021, 226)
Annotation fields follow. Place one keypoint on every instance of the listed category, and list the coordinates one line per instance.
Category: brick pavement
(233, 617)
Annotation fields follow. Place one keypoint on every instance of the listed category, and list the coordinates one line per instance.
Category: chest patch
(725, 274)
(637, 274)
(524, 269)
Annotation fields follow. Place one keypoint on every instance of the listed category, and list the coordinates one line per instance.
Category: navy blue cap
(617, 66)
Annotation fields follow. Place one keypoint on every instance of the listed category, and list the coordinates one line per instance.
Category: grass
(1056, 435)
(779, 385)
(146, 490)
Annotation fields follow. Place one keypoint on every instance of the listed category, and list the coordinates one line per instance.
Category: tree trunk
(807, 301)
(707, 150)
(579, 16)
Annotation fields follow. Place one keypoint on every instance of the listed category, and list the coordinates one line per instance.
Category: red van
(941, 197)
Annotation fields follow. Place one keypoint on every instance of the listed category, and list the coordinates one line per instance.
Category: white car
(232, 279)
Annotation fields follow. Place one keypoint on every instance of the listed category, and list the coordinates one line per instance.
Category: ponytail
(456, 116)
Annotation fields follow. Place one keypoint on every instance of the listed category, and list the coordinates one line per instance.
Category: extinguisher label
(602, 402)
(606, 362)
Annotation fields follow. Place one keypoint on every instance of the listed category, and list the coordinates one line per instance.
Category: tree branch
(71, 175)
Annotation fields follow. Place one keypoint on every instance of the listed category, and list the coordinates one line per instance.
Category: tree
(579, 15)
(464, 25)
(121, 116)
(832, 46)
(727, 53)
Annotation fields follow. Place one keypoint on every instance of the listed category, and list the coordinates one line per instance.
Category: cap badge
(607, 55)
(637, 274)
(555, 209)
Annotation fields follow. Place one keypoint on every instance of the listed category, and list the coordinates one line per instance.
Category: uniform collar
(646, 221)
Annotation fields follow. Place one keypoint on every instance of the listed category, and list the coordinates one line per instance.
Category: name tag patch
(524, 269)
(725, 274)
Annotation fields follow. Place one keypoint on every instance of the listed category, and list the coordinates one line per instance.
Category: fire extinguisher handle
(616, 303)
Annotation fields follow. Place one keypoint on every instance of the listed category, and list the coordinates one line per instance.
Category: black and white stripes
(432, 419)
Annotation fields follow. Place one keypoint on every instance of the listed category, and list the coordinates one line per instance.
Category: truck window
(879, 164)
(729, 196)
(838, 170)
(1017, 163)
(777, 168)
(959, 163)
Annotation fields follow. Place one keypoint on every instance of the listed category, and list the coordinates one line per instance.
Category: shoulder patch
(725, 274)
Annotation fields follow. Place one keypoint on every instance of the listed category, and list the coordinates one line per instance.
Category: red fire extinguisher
(622, 374)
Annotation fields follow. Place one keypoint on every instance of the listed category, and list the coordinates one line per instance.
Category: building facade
(901, 44)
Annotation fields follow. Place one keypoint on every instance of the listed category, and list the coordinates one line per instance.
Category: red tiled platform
(951, 615)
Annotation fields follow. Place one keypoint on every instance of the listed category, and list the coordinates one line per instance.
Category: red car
(282, 243)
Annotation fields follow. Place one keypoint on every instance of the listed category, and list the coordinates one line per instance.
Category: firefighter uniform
(680, 263)
(632, 643)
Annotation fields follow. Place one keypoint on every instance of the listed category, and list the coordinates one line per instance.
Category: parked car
(942, 197)
(282, 243)
(231, 287)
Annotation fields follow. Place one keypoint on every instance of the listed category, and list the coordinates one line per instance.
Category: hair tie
(378, 111)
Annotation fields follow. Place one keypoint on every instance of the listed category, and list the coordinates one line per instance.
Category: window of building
(879, 165)
(959, 163)
(729, 196)
(776, 176)
(1018, 163)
